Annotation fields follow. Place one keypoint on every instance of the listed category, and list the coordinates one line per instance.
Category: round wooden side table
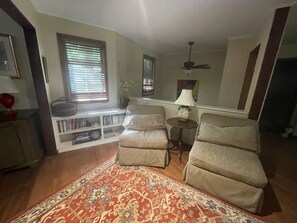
(188, 124)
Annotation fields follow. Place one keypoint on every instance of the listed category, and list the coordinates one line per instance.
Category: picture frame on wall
(8, 62)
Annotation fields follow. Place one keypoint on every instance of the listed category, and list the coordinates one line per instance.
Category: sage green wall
(123, 55)
(221, 87)
(234, 72)
(129, 57)
(209, 79)
(236, 62)
(26, 98)
(47, 27)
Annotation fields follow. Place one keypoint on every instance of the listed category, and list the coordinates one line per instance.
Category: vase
(124, 100)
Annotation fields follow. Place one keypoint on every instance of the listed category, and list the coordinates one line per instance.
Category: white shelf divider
(64, 138)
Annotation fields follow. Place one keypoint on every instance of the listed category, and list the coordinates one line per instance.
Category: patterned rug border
(101, 168)
(205, 194)
(56, 197)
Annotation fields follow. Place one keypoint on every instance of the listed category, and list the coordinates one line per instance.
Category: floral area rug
(112, 193)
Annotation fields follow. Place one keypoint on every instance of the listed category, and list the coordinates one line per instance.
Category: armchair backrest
(145, 110)
(144, 117)
(221, 120)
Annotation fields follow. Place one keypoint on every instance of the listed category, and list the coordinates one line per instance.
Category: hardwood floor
(24, 188)
(279, 159)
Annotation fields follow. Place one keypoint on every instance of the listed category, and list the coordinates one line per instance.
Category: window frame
(62, 38)
(153, 60)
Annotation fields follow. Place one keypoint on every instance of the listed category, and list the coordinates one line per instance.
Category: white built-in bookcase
(107, 123)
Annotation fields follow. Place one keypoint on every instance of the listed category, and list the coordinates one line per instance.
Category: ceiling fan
(189, 65)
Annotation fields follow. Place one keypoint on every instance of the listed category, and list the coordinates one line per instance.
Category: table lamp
(7, 85)
(185, 100)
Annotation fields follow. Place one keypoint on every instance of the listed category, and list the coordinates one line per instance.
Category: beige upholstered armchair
(224, 161)
(145, 139)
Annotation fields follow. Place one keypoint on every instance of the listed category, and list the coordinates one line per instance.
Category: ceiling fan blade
(202, 66)
(186, 68)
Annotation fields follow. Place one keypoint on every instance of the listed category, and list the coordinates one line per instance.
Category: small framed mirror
(148, 75)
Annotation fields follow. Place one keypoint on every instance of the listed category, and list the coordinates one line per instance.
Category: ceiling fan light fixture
(188, 71)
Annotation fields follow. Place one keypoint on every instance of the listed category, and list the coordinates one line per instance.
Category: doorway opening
(281, 97)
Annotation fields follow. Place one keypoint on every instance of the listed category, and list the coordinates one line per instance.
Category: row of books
(72, 124)
(88, 136)
(113, 119)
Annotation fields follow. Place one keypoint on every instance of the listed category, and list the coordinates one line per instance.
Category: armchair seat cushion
(154, 139)
(237, 164)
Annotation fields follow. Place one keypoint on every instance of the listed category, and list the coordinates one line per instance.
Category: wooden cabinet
(21, 140)
(75, 132)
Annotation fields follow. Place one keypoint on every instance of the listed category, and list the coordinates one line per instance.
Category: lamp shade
(7, 85)
(185, 98)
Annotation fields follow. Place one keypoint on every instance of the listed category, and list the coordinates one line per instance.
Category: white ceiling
(167, 25)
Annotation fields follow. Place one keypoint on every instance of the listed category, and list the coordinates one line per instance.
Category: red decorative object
(7, 100)
(113, 193)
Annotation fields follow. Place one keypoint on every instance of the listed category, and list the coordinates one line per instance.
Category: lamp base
(183, 113)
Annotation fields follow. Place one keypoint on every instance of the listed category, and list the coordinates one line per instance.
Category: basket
(61, 107)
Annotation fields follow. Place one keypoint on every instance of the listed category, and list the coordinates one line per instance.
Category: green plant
(125, 85)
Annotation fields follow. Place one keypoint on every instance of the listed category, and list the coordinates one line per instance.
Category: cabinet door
(11, 151)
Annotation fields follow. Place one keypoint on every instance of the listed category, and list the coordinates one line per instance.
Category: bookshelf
(88, 128)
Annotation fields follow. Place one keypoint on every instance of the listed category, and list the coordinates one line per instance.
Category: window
(84, 69)
(148, 75)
